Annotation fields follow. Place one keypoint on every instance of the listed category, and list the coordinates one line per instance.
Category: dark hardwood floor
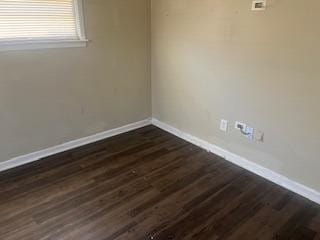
(147, 184)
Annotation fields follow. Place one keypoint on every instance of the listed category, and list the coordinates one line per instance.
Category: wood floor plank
(147, 184)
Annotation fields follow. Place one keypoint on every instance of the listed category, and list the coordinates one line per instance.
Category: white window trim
(52, 43)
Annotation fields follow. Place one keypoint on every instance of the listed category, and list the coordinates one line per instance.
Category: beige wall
(214, 59)
(211, 59)
(48, 97)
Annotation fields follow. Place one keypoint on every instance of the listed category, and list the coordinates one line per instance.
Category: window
(26, 24)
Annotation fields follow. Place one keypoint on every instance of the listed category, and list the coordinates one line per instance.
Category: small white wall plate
(259, 5)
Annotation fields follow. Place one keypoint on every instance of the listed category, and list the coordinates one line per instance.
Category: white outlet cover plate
(250, 132)
(259, 136)
(224, 125)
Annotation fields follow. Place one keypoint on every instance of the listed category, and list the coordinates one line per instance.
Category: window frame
(52, 43)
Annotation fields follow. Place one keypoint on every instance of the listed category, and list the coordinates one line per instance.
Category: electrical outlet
(250, 132)
(224, 125)
(240, 126)
(259, 136)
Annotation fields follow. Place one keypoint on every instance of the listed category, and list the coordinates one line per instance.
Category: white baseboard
(272, 176)
(35, 156)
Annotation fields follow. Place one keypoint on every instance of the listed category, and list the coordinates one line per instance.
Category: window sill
(45, 44)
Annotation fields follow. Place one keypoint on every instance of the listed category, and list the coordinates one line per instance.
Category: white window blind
(39, 20)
